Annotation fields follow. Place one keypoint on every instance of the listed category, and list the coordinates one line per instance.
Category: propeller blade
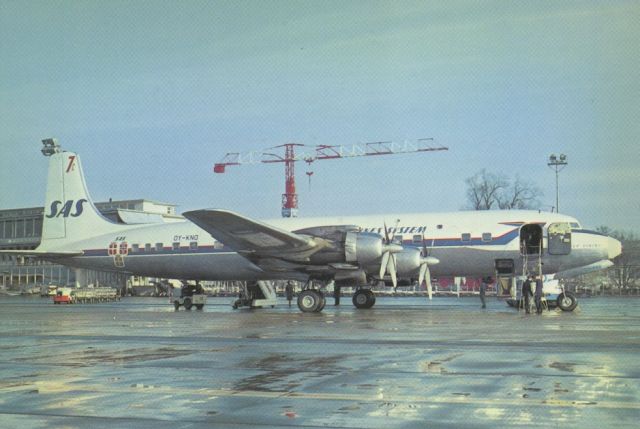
(423, 271)
(386, 234)
(428, 279)
(384, 263)
(392, 270)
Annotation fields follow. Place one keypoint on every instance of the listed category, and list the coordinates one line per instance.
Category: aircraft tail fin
(69, 213)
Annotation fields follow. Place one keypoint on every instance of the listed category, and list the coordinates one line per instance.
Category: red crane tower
(315, 153)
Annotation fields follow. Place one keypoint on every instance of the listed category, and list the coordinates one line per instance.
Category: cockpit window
(575, 225)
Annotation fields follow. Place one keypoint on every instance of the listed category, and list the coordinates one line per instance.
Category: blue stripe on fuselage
(589, 232)
(437, 242)
(475, 241)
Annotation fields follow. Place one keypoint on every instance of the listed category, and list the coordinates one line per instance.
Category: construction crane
(294, 152)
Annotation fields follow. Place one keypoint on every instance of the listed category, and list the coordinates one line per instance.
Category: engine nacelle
(362, 247)
(350, 278)
(408, 262)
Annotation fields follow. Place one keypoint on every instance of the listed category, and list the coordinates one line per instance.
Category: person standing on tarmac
(483, 292)
(199, 289)
(526, 294)
(289, 292)
(538, 295)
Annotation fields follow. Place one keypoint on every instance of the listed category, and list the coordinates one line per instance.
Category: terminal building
(21, 229)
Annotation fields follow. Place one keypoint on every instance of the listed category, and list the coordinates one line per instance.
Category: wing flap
(252, 237)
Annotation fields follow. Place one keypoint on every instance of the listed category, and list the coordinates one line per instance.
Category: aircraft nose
(614, 247)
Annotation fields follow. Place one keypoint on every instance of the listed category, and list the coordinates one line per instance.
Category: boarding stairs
(531, 266)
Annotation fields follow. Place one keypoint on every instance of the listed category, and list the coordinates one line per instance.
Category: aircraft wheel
(199, 306)
(372, 299)
(567, 301)
(322, 303)
(364, 298)
(187, 303)
(310, 301)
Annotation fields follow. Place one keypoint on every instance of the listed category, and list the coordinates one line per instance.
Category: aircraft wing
(252, 238)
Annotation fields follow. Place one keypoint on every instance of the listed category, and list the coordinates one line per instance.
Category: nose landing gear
(567, 301)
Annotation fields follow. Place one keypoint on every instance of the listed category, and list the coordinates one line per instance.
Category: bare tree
(486, 191)
(520, 195)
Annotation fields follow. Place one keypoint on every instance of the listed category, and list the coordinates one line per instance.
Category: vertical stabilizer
(69, 213)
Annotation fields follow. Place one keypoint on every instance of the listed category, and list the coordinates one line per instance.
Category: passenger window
(466, 236)
(486, 236)
(147, 247)
(397, 239)
(158, 247)
(417, 238)
(193, 245)
(176, 245)
(135, 248)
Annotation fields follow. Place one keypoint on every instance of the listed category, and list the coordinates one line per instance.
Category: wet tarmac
(406, 363)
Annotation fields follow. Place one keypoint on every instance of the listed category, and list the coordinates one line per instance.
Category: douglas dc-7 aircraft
(222, 245)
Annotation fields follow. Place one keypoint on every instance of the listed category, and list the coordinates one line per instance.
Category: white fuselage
(467, 243)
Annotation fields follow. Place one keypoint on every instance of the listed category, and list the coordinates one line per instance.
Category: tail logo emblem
(65, 210)
(71, 166)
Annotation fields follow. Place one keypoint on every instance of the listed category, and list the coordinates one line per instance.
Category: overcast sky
(152, 94)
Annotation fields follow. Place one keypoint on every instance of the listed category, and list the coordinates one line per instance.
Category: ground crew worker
(289, 292)
(526, 294)
(483, 291)
(538, 295)
(187, 289)
(199, 289)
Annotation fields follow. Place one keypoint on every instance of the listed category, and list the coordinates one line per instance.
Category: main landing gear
(364, 298)
(313, 300)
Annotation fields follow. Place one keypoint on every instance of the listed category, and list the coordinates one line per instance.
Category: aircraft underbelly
(468, 261)
(228, 266)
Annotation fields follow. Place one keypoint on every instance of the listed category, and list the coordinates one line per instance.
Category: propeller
(425, 261)
(388, 262)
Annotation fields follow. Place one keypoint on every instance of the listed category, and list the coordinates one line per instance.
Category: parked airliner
(214, 244)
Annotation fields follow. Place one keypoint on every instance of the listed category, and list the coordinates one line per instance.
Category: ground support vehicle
(198, 301)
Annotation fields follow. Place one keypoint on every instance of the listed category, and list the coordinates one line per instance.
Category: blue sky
(152, 94)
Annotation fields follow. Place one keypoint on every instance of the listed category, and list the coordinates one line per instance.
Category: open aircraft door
(559, 241)
(531, 242)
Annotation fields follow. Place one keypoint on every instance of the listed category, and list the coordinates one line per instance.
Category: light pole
(557, 163)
